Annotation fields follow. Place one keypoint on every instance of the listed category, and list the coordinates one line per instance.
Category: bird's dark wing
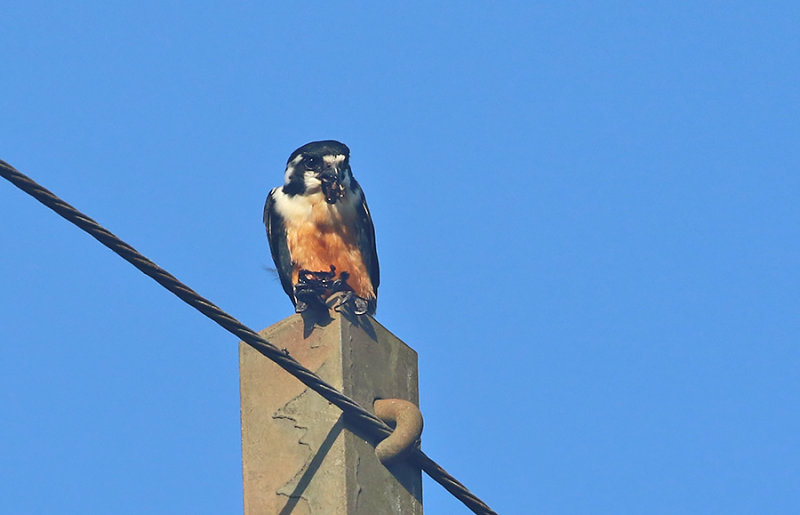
(276, 234)
(366, 241)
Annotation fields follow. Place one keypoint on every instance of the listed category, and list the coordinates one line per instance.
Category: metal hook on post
(408, 427)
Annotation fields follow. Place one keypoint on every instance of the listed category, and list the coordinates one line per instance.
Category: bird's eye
(312, 163)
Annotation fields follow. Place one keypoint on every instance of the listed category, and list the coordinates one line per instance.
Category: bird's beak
(331, 185)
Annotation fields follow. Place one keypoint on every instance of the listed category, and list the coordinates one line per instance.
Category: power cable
(351, 409)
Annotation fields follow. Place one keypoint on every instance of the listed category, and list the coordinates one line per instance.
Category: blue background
(587, 221)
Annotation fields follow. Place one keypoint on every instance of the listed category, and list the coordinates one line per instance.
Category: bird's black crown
(321, 148)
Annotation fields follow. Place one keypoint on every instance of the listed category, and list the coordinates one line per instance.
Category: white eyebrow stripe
(333, 160)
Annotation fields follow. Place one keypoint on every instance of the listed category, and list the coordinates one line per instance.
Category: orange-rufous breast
(319, 235)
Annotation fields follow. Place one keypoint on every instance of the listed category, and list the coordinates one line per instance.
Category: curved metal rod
(408, 426)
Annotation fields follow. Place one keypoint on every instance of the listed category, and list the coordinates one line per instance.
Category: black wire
(354, 412)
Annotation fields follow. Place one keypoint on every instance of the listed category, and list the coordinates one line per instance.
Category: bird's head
(319, 166)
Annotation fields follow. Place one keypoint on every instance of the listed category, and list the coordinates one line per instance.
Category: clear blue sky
(587, 220)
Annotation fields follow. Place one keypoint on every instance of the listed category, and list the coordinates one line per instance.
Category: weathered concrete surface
(298, 455)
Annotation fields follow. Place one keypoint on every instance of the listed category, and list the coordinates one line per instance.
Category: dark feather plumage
(276, 234)
(366, 238)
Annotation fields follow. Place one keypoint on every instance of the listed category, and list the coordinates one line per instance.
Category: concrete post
(298, 454)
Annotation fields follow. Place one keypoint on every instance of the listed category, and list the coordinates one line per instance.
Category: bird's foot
(312, 289)
(300, 306)
(359, 306)
(340, 284)
(307, 299)
(308, 296)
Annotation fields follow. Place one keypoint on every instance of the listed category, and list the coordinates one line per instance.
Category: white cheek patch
(288, 174)
(312, 182)
(290, 166)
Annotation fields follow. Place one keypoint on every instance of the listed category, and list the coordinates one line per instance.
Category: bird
(320, 231)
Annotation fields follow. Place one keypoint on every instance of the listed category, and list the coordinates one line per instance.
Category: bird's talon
(343, 300)
(361, 305)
